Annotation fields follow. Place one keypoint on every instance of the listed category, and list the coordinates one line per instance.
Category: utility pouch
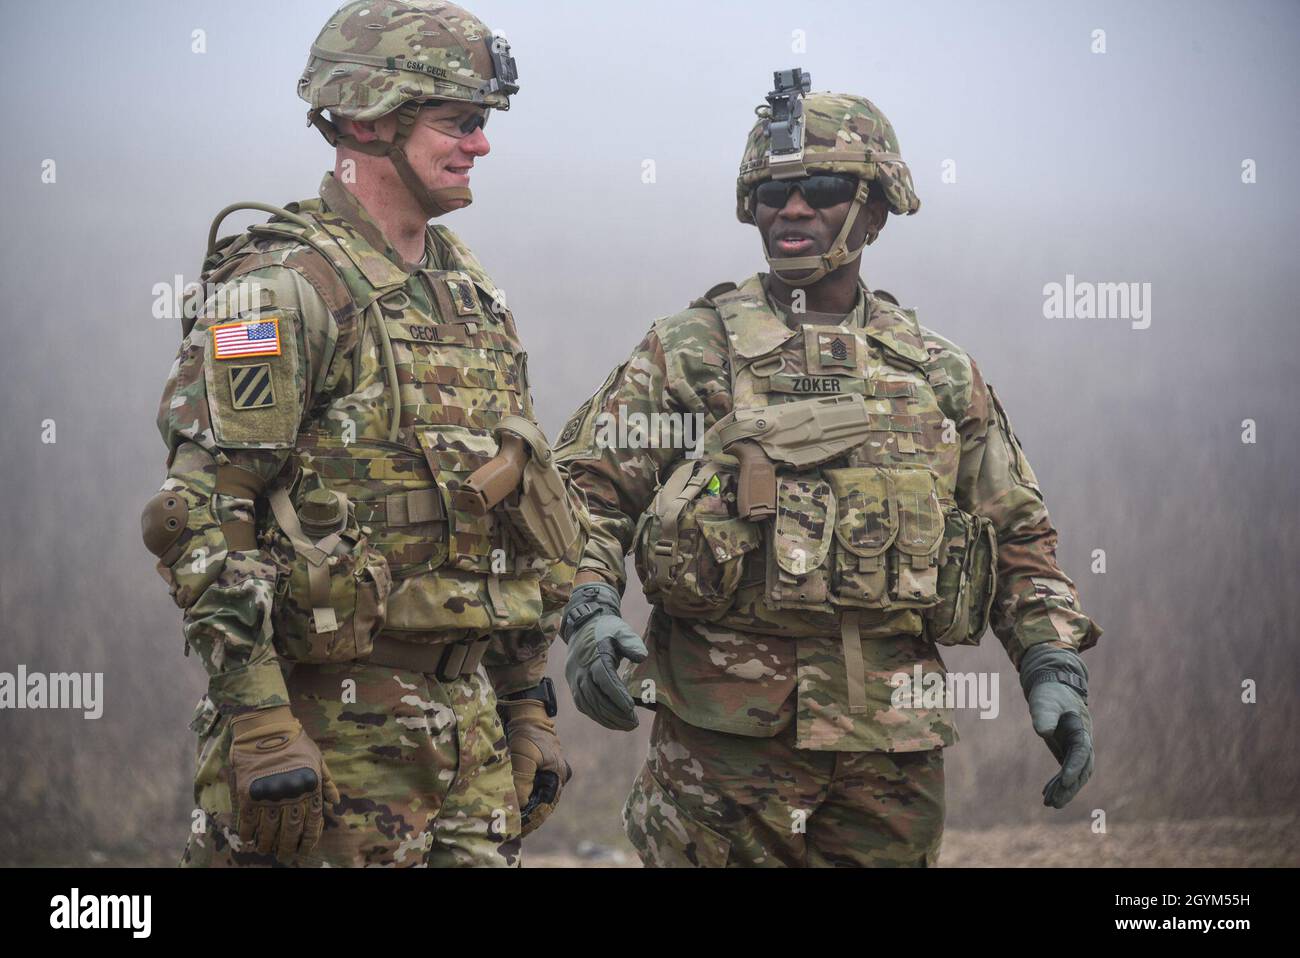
(915, 576)
(798, 575)
(332, 590)
(967, 580)
(691, 545)
(866, 525)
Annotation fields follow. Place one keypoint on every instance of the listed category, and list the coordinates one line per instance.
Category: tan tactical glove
(278, 782)
(540, 769)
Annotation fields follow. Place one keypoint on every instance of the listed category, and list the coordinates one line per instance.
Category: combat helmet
(377, 56)
(798, 133)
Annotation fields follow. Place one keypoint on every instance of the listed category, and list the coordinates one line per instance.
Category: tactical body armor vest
(866, 543)
(441, 341)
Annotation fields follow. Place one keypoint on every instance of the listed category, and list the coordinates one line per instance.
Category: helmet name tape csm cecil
(375, 57)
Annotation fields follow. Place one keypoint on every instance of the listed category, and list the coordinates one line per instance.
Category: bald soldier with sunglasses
(860, 502)
(361, 520)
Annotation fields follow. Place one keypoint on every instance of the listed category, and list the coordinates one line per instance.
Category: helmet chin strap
(432, 202)
(828, 262)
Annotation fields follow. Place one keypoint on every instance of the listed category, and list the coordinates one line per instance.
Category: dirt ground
(1204, 843)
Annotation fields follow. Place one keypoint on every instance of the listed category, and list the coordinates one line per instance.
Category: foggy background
(1117, 167)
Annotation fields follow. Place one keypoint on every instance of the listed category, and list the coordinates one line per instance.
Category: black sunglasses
(820, 190)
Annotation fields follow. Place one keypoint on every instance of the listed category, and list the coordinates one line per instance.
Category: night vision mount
(787, 127)
(505, 75)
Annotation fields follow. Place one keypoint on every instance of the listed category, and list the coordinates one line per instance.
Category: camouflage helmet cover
(374, 55)
(843, 134)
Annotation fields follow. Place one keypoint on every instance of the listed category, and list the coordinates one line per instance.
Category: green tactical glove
(597, 639)
(278, 781)
(540, 769)
(1055, 682)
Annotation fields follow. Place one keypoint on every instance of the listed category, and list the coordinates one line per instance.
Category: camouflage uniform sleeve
(1035, 601)
(220, 458)
(618, 482)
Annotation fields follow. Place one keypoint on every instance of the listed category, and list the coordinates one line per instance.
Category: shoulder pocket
(252, 380)
(577, 440)
(1018, 463)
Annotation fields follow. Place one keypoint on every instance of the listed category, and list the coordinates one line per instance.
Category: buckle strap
(446, 661)
(543, 692)
(402, 508)
(854, 668)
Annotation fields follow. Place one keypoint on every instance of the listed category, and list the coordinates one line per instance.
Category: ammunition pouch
(333, 586)
(841, 540)
(864, 537)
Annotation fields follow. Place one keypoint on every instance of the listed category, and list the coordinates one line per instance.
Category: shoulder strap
(707, 299)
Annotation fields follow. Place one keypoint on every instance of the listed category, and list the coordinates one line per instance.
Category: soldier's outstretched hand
(1055, 682)
(598, 640)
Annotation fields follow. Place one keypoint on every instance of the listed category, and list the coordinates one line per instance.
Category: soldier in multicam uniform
(361, 520)
(860, 501)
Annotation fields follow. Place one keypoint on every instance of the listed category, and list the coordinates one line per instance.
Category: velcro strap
(402, 509)
(240, 536)
(238, 482)
(415, 506)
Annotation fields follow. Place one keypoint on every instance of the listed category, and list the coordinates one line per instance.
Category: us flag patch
(256, 338)
(250, 387)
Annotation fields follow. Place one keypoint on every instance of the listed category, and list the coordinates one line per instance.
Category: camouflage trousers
(712, 799)
(422, 768)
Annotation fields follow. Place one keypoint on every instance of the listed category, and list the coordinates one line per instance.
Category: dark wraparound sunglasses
(820, 190)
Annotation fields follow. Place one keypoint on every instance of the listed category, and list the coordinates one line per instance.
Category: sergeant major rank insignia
(837, 350)
(462, 297)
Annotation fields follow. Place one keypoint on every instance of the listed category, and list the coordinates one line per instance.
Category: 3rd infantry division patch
(250, 386)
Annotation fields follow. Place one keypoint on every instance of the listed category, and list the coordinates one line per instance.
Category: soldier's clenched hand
(598, 639)
(279, 783)
(538, 762)
(1055, 682)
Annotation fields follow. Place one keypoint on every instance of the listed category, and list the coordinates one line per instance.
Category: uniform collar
(895, 329)
(756, 325)
(361, 238)
(753, 326)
